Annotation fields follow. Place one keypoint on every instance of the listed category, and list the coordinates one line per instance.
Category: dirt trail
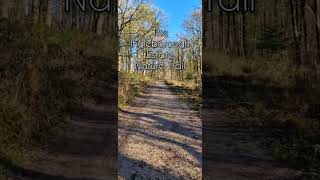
(159, 138)
(85, 150)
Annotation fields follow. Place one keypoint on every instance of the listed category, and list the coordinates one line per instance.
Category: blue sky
(176, 11)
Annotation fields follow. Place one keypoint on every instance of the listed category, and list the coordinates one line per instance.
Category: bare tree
(127, 11)
(5, 8)
(193, 28)
(50, 9)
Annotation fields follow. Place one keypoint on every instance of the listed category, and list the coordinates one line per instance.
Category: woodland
(55, 64)
(263, 66)
(145, 56)
(52, 63)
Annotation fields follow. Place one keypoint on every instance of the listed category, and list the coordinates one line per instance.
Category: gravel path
(159, 138)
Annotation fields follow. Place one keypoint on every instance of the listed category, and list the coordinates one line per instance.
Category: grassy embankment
(45, 75)
(274, 98)
(188, 91)
(130, 85)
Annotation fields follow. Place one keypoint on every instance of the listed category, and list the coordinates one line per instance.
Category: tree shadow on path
(26, 174)
(141, 169)
(164, 124)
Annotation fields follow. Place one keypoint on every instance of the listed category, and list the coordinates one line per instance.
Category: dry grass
(274, 72)
(189, 91)
(273, 97)
(130, 85)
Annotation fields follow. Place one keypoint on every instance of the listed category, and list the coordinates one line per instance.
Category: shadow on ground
(152, 171)
(164, 124)
(86, 149)
(26, 174)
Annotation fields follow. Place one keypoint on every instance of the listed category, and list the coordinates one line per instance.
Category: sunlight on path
(159, 138)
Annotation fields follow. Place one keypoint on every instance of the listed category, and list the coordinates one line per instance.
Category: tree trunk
(100, 22)
(221, 29)
(236, 41)
(316, 9)
(35, 11)
(212, 30)
(5, 8)
(244, 34)
(305, 29)
(49, 13)
(296, 33)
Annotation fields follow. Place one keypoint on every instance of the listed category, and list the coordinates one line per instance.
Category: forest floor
(230, 150)
(159, 137)
(83, 150)
(232, 153)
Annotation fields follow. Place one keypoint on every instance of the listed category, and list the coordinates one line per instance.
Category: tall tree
(50, 9)
(36, 10)
(244, 34)
(295, 17)
(193, 28)
(4, 8)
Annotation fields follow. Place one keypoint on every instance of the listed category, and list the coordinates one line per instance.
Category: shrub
(129, 86)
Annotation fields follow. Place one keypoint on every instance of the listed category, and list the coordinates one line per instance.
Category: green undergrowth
(45, 75)
(276, 100)
(130, 85)
(188, 91)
